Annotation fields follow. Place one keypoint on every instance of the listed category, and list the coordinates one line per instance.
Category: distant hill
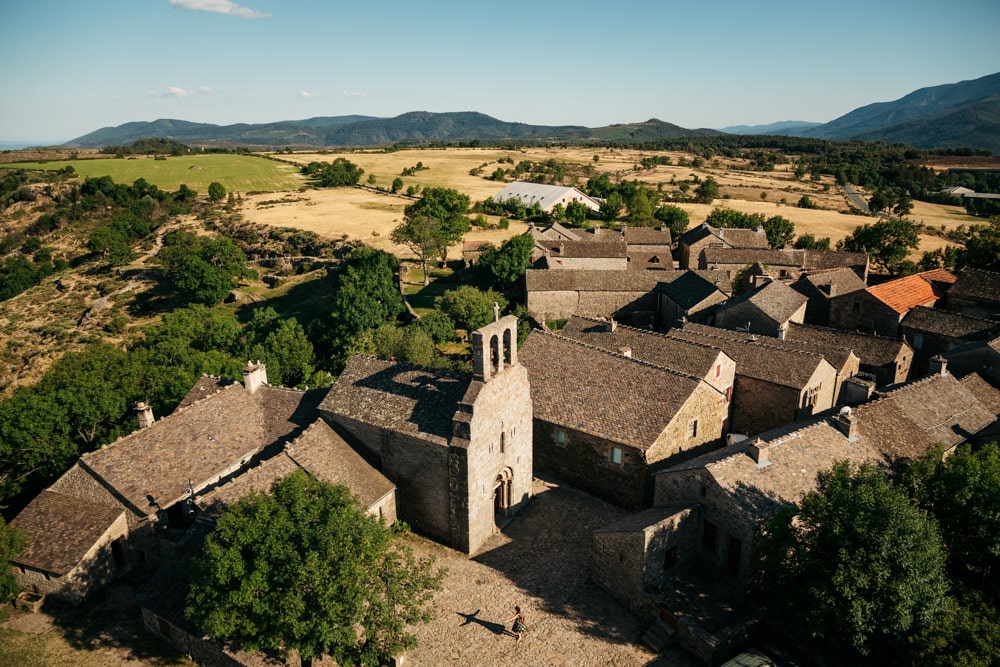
(782, 127)
(412, 127)
(949, 116)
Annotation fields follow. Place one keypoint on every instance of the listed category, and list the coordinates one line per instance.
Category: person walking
(519, 626)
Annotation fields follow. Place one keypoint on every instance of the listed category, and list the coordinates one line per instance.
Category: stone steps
(658, 636)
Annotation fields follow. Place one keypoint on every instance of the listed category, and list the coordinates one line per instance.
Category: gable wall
(870, 316)
(759, 405)
(711, 411)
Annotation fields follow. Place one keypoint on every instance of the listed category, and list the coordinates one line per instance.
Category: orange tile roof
(903, 294)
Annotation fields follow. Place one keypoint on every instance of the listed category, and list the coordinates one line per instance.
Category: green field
(238, 173)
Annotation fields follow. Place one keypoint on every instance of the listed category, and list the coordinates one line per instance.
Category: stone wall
(203, 650)
(759, 405)
(629, 307)
(860, 311)
(556, 263)
(699, 423)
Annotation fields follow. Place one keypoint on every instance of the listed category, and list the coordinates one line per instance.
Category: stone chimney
(145, 414)
(847, 423)
(937, 365)
(612, 325)
(758, 450)
(254, 376)
(625, 352)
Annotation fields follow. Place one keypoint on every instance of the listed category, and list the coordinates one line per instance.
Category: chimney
(937, 365)
(254, 376)
(857, 389)
(145, 414)
(758, 450)
(847, 423)
(612, 325)
(625, 352)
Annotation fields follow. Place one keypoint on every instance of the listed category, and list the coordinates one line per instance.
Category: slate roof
(977, 285)
(151, 467)
(732, 237)
(689, 289)
(905, 422)
(775, 299)
(60, 530)
(743, 256)
(758, 357)
(642, 260)
(397, 397)
(580, 280)
(554, 231)
(599, 393)
(820, 260)
(544, 195)
(648, 236)
(871, 350)
(693, 359)
(903, 294)
(583, 248)
(837, 281)
(947, 323)
(984, 392)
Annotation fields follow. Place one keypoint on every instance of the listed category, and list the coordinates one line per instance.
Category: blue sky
(74, 66)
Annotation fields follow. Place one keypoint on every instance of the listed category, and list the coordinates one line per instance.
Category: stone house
(649, 248)
(129, 504)
(976, 293)
(982, 357)
(880, 309)
(785, 264)
(767, 309)
(691, 243)
(458, 448)
(628, 296)
(820, 286)
(582, 255)
(934, 331)
(774, 385)
(887, 360)
(604, 421)
(546, 196)
(687, 296)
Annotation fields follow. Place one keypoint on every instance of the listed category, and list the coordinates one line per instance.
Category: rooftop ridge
(757, 341)
(177, 411)
(952, 313)
(844, 331)
(891, 393)
(602, 350)
(417, 367)
(647, 332)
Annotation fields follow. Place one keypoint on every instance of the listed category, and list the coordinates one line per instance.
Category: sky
(70, 67)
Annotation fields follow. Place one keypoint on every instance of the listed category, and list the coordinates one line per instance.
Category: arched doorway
(501, 497)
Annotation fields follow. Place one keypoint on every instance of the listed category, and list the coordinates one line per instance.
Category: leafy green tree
(288, 348)
(216, 191)
(982, 248)
(810, 242)
(111, 245)
(422, 235)
(612, 207)
(858, 571)
(887, 242)
(397, 184)
(707, 190)
(446, 207)
(780, 231)
(36, 441)
(469, 307)
(12, 542)
(337, 174)
(306, 569)
(438, 326)
(508, 263)
(640, 207)
(577, 212)
(674, 217)
(805, 201)
(204, 270)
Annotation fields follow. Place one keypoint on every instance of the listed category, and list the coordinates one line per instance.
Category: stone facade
(628, 296)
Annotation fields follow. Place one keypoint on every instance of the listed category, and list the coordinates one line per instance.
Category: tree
(577, 212)
(203, 269)
(780, 231)
(422, 235)
(469, 307)
(810, 242)
(339, 173)
(306, 569)
(707, 190)
(446, 207)
(12, 542)
(859, 571)
(216, 191)
(982, 248)
(397, 184)
(887, 242)
(508, 263)
(612, 207)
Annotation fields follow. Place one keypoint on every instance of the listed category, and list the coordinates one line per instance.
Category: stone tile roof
(871, 350)
(397, 397)
(688, 289)
(743, 256)
(642, 260)
(905, 293)
(205, 386)
(60, 530)
(833, 282)
(757, 357)
(693, 359)
(648, 236)
(287, 411)
(977, 285)
(905, 422)
(326, 456)
(255, 480)
(837, 353)
(719, 278)
(553, 232)
(824, 260)
(599, 393)
(583, 249)
(643, 521)
(775, 299)
(984, 392)
(732, 237)
(942, 322)
(542, 280)
(151, 467)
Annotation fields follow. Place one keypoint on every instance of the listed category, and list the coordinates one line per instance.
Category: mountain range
(963, 114)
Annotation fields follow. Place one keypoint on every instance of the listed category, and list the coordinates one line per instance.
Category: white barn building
(546, 196)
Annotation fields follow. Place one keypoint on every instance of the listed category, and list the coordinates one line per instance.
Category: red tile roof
(920, 289)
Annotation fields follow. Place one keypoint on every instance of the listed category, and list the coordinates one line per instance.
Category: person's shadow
(495, 628)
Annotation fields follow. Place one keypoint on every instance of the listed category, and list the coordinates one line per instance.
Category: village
(695, 385)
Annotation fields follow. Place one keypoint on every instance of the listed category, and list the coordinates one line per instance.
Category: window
(918, 341)
(616, 455)
(670, 558)
(703, 491)
(561, 438)
(856, 306)
(718, 370)
(693, 428)
(503, 441)
(710, 535)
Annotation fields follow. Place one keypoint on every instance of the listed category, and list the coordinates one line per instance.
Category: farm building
(546, 196)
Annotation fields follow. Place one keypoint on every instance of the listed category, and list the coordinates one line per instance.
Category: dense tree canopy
(446, 209)
(674, 217)
(779, 230)
(859, 571)
(12, 542)
(339, 173)
(203, 269)
(470, 308)
(887, 242)
(507, 264)
(305, 568)
(982, 248)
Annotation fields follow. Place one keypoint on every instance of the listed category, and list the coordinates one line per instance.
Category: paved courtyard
(540, 562)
